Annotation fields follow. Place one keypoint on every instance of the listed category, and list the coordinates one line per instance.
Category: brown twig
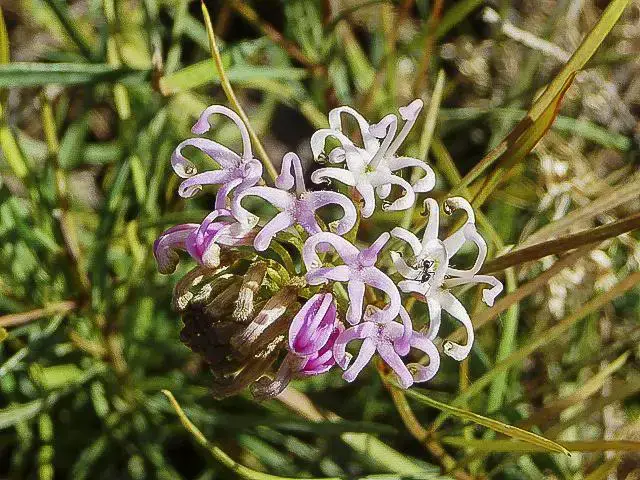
(16, 319)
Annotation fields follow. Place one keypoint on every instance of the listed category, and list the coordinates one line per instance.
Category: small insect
(426, 269)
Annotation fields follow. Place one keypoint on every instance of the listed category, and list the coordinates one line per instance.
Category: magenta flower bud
(313, 325)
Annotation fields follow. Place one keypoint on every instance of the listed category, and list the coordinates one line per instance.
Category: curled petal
(322, 175)
(335, 122)
(369, 198)
(426, 183)
(435, 318)
(455, 241)
(470, 234)
(383, 191)
(408, 237)
(433, 224)
(386, 129)
(225, 157)
(192, 185)
(223, 192)
(346, 250)
(286, 180)
(414, 286)
(453, 307)
(382, 282)
(320, 199)
(422, 373)
(409, 114)
(363, 330)
(402, 203)
(403, 269)
(488, 295)
(203, 125)
(280, 222)
(164, 248)
(319, 138)
(403, 343)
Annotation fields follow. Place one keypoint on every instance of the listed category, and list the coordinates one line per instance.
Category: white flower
(430, 275)
(370, 169)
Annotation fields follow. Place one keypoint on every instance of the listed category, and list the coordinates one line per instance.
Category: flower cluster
(339, 278)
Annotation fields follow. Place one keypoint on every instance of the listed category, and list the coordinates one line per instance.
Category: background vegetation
(95, 94)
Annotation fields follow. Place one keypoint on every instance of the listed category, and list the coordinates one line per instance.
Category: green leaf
(40, 74)
(18, 413)
(203, 73)
(495, 425)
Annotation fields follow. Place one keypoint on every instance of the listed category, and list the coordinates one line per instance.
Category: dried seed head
(250, 286)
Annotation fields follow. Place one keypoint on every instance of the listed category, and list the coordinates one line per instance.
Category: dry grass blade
(495, 425)
(512, 446)
(563, 244)
(16, 319)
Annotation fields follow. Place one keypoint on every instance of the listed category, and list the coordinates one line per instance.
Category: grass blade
(495, 425)
(39, 74)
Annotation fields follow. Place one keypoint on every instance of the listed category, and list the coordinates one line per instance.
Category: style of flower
(358, 271)
(391, 340)
(235, 171)
(295, 208)
(312, 335)
(370, 169)
(430, 275)
(201, 241)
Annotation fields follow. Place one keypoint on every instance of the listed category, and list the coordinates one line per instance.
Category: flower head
(201, 241)
(430, 275)
(391, 341)
(358, 271)
(236, 172)
(298, 207)
(370, 168)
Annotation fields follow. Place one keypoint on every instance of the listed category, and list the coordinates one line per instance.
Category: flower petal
(319, 199)
(322, 175)
(335, 121)
(164, 248)
(223, 192)
(408, 237)
(391, 358)
(367, 349)
(363, 330)
(355, 289)
(488, 295)
(280, 222)
(203, 126)
(435, 317)
(225, 157)
(425, 373)
(367, 193)
(455, 241)
(369, 255)
(453, 307)
(433, 224)
(192, 185)
(426, 183)
(346, 250)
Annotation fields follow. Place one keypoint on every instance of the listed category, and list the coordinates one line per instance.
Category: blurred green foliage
(95, 95)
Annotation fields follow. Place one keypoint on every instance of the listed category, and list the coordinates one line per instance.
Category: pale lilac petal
(385, 128)
(369, 255)
(286, 180)
(318, 276)
(435, 318)
(455, 241)
(433, 224)
(276, 197)
(192, 185)
(424, 184)
(367, 193)
(223, 192)
(225, 157)
(471, 234)
(402, 344)
(425, 373)
(346, 250)
(408, 237)
(335, 122)
(203, 126)
(320, 199)
(488, 295)
(382, 282)
(413, 286)
(319, 138)
(409, 114)
(358, 332)
(306, 218)
(323, 175)
(367, 349)
(453, 307)
(299, 324)
(392, 359)
(404, 202)
(355, 289)
(402, 268)
(280, 222)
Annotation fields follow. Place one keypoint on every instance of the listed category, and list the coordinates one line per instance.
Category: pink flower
(202, 241)
(295, 208)
(391, 341)
(312, 335)
(236, 172)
